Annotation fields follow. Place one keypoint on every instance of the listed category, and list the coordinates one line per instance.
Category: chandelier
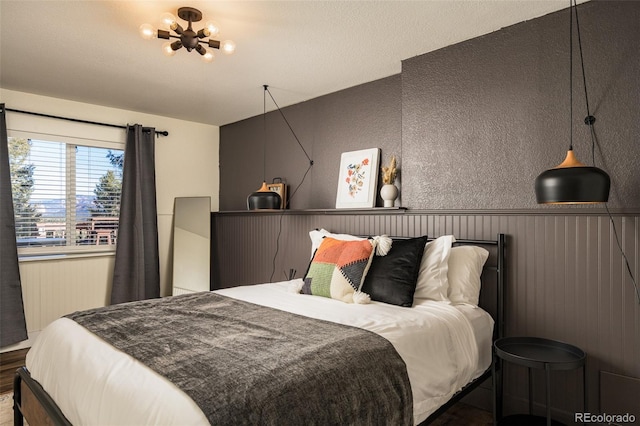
(188, 38)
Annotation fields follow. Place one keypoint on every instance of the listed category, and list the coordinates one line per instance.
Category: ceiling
(90, 51)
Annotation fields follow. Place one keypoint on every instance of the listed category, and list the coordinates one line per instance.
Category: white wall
(187, 164)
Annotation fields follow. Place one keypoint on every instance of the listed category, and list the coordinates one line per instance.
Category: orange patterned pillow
(338, 269)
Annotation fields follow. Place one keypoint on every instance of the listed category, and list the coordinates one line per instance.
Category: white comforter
(443, 346)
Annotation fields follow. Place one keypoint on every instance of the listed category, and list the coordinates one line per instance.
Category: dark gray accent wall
(481, 119)
(365, 116)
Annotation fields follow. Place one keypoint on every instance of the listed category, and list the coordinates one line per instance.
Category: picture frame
(280, 189)
(358, 179)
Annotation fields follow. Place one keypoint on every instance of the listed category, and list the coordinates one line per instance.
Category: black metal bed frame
(498, 331)
(56, 416)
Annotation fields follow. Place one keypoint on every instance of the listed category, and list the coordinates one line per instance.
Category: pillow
(382, 247)
(392, 278)
(465, 268)
(338, 269)
(432, 278)
(318, 235)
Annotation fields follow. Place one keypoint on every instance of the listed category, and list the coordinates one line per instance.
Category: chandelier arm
(211, 43)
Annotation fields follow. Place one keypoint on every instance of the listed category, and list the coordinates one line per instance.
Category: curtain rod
(76, 120)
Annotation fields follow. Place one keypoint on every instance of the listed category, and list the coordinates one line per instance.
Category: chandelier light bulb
(212, 28)
(167, 50)
(228, 47)
(169, 20)
(208, 57)
(147, 32)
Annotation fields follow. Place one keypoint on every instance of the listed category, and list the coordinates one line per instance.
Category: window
(64, 195)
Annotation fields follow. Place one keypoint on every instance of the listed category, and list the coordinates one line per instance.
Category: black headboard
(493, 280)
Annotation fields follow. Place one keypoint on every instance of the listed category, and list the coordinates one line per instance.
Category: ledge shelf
(371, 211)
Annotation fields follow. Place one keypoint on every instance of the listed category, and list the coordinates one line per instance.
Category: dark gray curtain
(137, 266)
(13, 328)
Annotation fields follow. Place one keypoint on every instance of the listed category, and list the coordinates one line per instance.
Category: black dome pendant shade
(572, 183)
(263, 198)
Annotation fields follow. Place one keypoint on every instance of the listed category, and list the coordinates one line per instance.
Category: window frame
(70, 142)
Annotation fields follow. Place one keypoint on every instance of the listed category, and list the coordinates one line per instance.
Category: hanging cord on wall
(590, 120)
(292, 272)
(266, 88)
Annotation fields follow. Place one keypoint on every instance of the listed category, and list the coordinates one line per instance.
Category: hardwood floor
(458, 415)
(9, 363)
(462, 414)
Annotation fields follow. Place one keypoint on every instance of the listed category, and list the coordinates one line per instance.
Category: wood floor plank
(9, 363)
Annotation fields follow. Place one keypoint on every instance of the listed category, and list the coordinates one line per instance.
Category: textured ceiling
(90, 51)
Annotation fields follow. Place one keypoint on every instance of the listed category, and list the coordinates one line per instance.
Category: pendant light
(264, 198)
(572, 182)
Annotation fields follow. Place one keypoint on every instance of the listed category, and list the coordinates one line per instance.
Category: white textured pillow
(318, 235)
(383, 242)
(465, 268)
(432, 278)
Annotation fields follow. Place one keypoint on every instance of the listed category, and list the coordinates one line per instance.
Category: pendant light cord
(590, 120)
(266, 88)
(570, 77)
(264, 135)
(287, 202)
(624, 256)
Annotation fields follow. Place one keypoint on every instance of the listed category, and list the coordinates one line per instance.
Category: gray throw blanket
(245, 364)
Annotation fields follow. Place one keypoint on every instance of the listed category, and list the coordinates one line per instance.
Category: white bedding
(443, 346)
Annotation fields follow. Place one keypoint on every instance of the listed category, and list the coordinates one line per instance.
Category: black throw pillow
(392, 278)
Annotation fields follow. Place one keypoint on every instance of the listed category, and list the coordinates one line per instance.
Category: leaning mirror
(191, 244)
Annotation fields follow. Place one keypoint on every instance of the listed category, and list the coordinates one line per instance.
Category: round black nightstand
(535, 352)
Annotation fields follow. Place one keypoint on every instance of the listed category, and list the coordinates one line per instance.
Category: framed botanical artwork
(280, 189)
(358, 179)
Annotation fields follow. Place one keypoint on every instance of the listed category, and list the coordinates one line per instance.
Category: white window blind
(65, 195)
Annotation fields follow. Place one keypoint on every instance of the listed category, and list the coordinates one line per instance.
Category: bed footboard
(33, 403)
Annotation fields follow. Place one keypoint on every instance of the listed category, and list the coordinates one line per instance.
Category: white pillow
(465, 268)
(317, 236)
(383, 242)
(432, 278)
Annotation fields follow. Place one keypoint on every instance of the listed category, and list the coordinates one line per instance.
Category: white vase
(389, 193)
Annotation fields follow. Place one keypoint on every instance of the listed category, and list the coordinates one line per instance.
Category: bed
(373, 363)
